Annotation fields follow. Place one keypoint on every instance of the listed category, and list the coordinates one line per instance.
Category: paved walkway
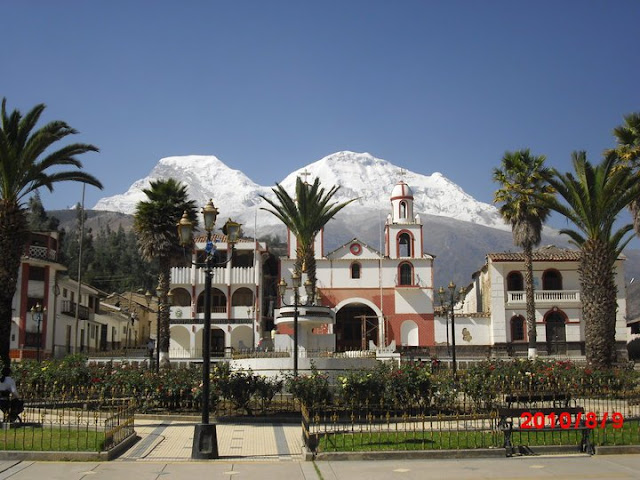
(274, 452)
(614, 467)
(172, 441)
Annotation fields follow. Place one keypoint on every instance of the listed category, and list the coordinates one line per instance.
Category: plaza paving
(274, 452)
(172, 441)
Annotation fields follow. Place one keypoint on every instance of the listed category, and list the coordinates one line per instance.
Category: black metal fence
(52, 424)
(542, 420)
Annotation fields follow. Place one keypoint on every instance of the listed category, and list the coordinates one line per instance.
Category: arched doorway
(409, 334)
(556, 334)
(356, 324)
(216, 342)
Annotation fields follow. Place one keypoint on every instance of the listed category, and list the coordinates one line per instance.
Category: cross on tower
(305, 174)
(403, 172)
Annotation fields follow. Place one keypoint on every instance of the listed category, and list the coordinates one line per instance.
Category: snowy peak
(371, 179)
(359, 175)
(199, 173)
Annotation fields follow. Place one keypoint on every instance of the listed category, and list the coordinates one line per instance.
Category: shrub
(312, 391)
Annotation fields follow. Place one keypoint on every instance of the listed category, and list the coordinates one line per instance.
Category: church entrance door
(356, 325)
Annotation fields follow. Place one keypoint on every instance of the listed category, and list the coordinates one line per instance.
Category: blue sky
(270, 86)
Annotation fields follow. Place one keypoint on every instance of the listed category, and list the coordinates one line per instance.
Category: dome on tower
(401, 190)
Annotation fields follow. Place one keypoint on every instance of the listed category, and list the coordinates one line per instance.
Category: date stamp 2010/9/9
(564, 421)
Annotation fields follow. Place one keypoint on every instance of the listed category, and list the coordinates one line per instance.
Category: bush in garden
(312, 391)
(267, 389)
(362, 388)
(409, 384)
(444, 391)
(239, 388)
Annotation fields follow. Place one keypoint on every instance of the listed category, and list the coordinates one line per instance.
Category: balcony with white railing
(239, 275)
(41, 253)
(545, 297)
(243, 275)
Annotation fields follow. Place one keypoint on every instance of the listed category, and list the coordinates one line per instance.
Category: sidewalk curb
(409, 454)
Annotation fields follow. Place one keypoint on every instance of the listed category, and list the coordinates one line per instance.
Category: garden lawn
(51, 439)
(457, 440)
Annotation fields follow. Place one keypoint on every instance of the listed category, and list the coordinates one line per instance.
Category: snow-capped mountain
(205, 176)
(358, 175)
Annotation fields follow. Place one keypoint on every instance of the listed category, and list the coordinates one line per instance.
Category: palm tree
(522, 183)
(24, 168)
(628, 151)
(593, 198)
(155, 223)
(305, 217)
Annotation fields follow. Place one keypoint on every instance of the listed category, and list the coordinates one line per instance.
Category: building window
(406, 274)
(355, 270)
(403, 209)
(243, 297)
(552, 280)
(515, 282)
(218, 301)
(517, 328)
(404, 245)
(36, 273)
(181, 297)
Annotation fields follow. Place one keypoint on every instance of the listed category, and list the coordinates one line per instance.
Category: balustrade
(545, 296)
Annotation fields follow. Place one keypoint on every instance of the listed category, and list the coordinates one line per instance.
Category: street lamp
(282, 287)
(37, 313)
(205, 443)
(447, 304)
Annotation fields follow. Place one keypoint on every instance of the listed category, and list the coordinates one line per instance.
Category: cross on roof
(403, 172)
(305, 174)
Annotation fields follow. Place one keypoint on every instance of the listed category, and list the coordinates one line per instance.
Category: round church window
(356, 249)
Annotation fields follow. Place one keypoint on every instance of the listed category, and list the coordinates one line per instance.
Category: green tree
(305, 217)
(628, 152)
(155, 223)
(37, 218)
(593, 198)
(70, 249)
(523, 189)
(25, 166)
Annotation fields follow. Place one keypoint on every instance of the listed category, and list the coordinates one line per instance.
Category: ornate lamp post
(37, 313)
(447, 304)
(282, 287)
(205, 442)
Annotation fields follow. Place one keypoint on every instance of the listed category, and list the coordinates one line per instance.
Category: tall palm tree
(593, 198)
(628, 151)
(155, 223)
(305, 217)
(522, 183)
(25, 166)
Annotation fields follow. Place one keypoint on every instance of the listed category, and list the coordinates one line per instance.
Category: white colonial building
(240, 311)
(494, 310)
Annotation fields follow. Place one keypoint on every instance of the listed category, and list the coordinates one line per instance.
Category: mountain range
(459, 230)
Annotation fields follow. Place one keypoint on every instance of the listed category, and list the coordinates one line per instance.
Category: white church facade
(380, 300)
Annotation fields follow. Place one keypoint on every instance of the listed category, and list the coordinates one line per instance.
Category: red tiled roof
(549, 254)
